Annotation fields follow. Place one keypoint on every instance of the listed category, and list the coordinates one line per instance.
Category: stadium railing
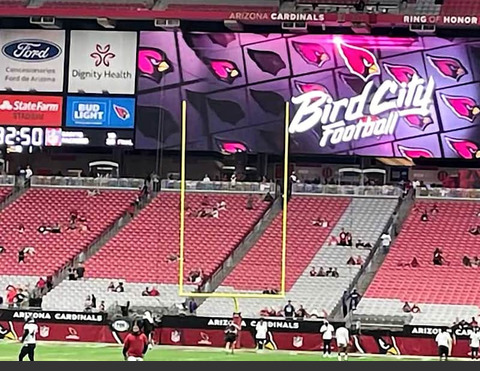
(86, 182)
(331, 189)
(459, 193)
(7, 180)
(195, 185)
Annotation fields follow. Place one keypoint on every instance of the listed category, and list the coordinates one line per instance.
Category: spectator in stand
(80, 270)
(466, 261)
(321, 272)
(154, 292)
(21, 256)
(386, 241)
(362, 245)
(406, 307)
(335, 273)
(438, 258)
(313, 272)
(88, 304)
(111, 287)
(342, 238)
(289, 310)
(349, 239)
(101, 307)
(21, 228)
(424, 216)
(474, 230)
(268, 198)
(11, 293)
(20, 298)
(2, 249)
(320, 222)
(351, 261)
(329, 272)
(359, 260)
(146, 292)
(206, 179)
(415, 309)
(72, 275)
(414, 263)
(49, 283)
(120, 287)
(28, 173)
(249, 205)
(345, 298)
(354, 299)
(476, 261)
(41, 285)
(301, 313)
(222, 205)
(434, 210)
(473, 322)
(233, 180)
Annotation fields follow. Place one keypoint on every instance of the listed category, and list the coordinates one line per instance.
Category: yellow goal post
(233, 295)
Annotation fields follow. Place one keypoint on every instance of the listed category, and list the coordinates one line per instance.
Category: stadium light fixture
(106, 23)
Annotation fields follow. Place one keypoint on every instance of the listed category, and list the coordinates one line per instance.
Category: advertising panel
(88, 112)
(32, 60)
(57, 137)
(30, 110)
(349, 94)
(102, 61)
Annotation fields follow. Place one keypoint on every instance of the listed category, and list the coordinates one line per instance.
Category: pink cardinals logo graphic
(223, 70)
(229, 148)
(418, 122)
(448, 67)
(360, 62)
(463, 107)
(463, 148)
(401, 74)
(306, 87)
(412, 153)
(121, 112)
(311, 53)
(153, 64)
(102, 55)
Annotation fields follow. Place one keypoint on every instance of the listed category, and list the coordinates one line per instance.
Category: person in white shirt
(28, 172)
(386, 240)
(444, 343)
(206, 179)
(327, 331)
(261, 330)
(343, 339)
(474, 343)
(29, 340)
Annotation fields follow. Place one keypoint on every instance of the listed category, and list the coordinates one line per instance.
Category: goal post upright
(232, 295)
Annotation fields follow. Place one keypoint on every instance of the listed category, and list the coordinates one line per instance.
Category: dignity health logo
(413, 98)
(102, 67)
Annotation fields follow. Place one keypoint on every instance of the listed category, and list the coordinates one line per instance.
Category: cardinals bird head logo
(121, 112)
(401, 74)
(230, 147)
(223, 70)
(306, 87)
(448, 67)
(418, 122)
(360, 62)
(411, 153)
(463, 107)
(464, 148)
(153, 64)
(311, 53)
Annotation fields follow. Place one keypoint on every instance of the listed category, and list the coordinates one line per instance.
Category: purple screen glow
(371, 96)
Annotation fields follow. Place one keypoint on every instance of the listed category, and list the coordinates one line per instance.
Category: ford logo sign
(31, 50)
(121, 325)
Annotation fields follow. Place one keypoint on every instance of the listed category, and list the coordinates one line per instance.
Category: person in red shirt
(135, 345)
(153, 292)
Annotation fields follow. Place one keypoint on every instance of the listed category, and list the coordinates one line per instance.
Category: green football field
(99, 352)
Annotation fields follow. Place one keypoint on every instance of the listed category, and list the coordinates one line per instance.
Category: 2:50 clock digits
(26, 136)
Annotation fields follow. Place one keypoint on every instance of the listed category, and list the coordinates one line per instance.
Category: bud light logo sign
(104, 113)
(31, 50)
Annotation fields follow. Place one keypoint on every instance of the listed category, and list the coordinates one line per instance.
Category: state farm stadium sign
(30, 110)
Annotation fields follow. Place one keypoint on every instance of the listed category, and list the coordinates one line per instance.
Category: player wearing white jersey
(327, 331)
(343, 339)
(29, 340)
(474, 342)
(261, 330)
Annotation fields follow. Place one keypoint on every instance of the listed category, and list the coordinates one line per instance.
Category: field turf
(99, 352)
